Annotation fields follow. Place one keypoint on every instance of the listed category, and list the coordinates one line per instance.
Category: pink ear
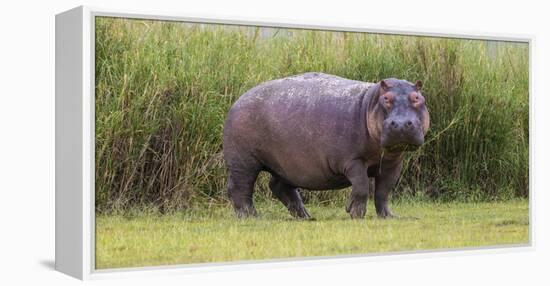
(384, 85)
(418, 85)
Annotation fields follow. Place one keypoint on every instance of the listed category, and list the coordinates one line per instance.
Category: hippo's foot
(385, 212)
(246, 212)
(240, 187)
(289, 196)
(299, 212)
(356, 208)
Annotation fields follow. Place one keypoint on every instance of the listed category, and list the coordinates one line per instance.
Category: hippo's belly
(318, 183)
(312, 174)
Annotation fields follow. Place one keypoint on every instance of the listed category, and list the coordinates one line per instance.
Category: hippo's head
(405, 119)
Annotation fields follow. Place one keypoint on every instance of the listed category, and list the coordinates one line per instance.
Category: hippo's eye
(415, 98)
(387, 100)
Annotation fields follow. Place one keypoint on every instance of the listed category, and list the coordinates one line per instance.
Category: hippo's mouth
(402, 147)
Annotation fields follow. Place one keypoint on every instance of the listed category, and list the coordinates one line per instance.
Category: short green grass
(214, 235)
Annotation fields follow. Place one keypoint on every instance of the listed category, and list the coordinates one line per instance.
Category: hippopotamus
(317, 131)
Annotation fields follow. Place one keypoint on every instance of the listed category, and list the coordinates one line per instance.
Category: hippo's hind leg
(289, 196)
(240, 188)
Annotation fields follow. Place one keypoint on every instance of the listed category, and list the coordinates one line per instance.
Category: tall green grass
(163, 90)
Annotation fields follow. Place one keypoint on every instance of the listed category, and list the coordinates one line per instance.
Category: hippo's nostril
(393, 124)
(409, 123)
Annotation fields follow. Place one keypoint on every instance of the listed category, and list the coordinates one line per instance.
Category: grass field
(215, 235)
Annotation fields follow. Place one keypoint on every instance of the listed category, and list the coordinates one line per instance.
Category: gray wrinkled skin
(317, 132)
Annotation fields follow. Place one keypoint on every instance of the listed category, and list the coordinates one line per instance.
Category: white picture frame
(74, 147)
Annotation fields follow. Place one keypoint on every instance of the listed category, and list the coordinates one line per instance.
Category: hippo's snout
(403, 125)
(402, 134)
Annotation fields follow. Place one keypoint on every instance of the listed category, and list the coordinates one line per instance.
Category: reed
(163, 90)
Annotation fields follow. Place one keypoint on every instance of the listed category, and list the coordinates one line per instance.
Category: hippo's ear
(418, 85)
(384, 86)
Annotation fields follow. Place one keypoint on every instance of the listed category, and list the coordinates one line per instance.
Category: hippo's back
(305, 87)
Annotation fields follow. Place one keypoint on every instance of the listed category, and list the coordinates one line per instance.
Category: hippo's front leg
(356, 173)
(384, 183)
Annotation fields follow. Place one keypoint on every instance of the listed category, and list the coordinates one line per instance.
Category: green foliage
(163, 90)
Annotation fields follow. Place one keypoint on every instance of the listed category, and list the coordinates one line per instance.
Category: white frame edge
(74, 219)
(68, 147)
(75, 145)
